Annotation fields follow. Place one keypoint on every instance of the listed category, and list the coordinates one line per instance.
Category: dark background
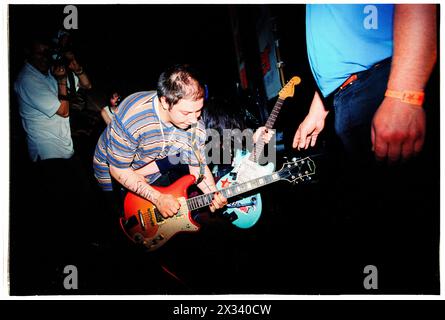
(301, 245)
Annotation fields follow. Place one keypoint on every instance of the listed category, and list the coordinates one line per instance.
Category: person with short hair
(153, 125)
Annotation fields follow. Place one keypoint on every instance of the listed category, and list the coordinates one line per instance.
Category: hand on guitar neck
(168, 205)
(264, 133)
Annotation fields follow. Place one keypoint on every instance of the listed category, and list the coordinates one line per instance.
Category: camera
(60, 47)
(59, 59)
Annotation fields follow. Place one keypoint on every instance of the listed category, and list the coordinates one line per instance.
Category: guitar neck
(206, 199)
(274, 114)
(259, 146)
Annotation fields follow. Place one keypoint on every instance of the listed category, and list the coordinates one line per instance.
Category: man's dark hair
(180, 82)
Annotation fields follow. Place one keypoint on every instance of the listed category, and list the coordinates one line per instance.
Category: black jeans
(355, 106)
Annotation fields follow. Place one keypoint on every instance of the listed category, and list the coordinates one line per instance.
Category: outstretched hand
(308, 131)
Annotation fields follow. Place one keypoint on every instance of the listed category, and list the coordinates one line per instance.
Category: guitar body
(244, 213)
(247, 169)
(143, 223)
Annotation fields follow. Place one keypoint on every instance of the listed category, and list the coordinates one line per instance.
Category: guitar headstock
(297, 170)
(288, 89)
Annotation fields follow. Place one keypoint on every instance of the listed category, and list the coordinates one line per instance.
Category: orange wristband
(411, 97)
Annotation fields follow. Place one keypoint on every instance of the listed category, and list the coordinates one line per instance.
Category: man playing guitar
(154, 125)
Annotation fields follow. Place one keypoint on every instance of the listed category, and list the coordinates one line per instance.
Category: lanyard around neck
(164, 140)
(193, 143)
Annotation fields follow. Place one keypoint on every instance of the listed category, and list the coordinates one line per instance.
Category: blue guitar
(245, 212)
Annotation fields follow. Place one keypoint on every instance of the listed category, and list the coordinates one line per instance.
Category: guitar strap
(197, 154)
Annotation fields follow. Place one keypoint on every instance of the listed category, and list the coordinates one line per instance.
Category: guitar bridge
(159, 218)
(141, 219)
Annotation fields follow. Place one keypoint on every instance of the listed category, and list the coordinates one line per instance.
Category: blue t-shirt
(345, 39)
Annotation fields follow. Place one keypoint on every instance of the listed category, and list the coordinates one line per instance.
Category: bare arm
(207, 185)
(84, 81)
(64, 109)
(150, 168)
(135, 182)
(398, 128)
(308, 131)
(415, 46)
(105, 116)
(60, 75)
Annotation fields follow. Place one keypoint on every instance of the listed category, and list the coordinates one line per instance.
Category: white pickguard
(248, 170)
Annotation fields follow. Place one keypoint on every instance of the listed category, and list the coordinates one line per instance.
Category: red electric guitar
(144, 224)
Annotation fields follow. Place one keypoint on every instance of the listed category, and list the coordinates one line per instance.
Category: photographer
(64, 59)
(43, 95)
(82, 119)
(42, 92)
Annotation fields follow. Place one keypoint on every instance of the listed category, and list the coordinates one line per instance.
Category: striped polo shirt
(136, 136)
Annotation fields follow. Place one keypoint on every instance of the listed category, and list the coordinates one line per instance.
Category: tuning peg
(294, 159)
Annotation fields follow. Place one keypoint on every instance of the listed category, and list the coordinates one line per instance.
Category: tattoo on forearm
(140, 187)
(143, 190)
